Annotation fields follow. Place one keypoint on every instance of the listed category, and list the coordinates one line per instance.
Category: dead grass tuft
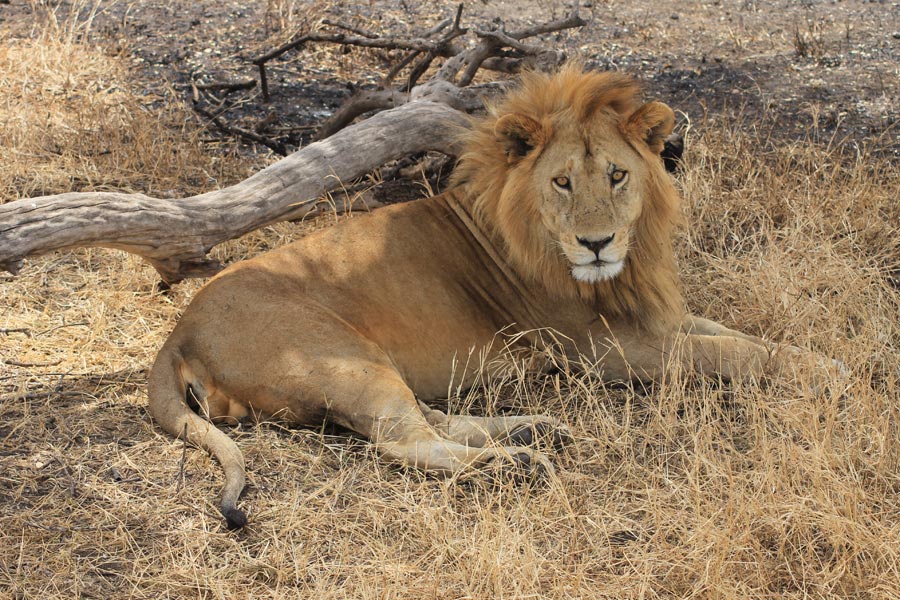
(685, 489)
(71, 119)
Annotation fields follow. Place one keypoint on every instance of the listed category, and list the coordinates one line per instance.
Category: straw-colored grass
(685, 489)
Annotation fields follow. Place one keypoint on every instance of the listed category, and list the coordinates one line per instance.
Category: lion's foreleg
(783, 359)
(400, 431)
(705, 348)
(701, 326)
(524, 430)
(723, 356)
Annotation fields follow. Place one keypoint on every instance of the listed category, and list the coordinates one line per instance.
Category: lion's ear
(652, 123)
(520, 134)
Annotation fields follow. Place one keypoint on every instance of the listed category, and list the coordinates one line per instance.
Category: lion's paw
(821, 373)
(520, 465)
(543, 432)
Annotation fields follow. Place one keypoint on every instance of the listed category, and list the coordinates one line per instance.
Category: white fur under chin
(593, 273)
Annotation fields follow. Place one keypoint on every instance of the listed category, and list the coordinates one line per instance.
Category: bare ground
(686, 489)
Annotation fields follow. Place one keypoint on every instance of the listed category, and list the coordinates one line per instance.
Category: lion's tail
(168, 406)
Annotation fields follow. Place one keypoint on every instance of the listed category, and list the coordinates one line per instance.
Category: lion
(560, 218)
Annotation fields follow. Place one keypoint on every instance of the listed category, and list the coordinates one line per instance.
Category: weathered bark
(176, 234)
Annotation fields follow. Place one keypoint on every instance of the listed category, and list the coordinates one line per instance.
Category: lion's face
(590, 198)
(588, 180)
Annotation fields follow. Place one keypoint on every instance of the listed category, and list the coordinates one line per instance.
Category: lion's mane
(503, 199)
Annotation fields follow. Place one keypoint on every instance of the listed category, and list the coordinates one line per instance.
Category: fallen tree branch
(16, 363)
(361, 103)
(226, 86)
(350, 28)
(488, 46)
(487, 49)
(176, 235)
(418, 45)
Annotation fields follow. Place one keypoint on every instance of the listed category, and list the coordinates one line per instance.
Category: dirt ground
(686, 489)
(827, 70)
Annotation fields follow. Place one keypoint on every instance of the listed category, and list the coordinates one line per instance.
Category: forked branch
(176, 235)
(494, 49)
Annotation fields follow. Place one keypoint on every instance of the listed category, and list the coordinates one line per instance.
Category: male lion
(560, 218)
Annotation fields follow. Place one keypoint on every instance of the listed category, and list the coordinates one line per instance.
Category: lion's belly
(435, 351)
(440, 372)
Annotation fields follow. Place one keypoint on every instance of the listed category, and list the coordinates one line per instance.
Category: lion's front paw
(519, 465)
(544, 432)
(820, 373)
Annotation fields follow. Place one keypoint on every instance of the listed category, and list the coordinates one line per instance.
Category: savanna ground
(685, 489)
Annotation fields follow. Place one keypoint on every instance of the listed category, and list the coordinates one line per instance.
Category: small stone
(675, 16)
(896, 35)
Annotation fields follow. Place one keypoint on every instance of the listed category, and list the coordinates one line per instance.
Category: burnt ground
(824, 71)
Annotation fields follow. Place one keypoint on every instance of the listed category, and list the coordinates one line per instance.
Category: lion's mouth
(597, 270)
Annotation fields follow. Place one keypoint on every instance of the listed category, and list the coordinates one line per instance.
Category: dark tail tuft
(235, 517)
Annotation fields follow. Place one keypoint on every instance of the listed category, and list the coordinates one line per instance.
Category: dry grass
(71, 119)
(688, 489)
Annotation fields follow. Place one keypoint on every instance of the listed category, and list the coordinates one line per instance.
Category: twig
(16, 363)
(387, 43)
(63, 326)
(25, 330)
(263, 81)
(280, 50)
(458, 17)
(439, 27)
(570, 22)
(350, 28)
(65, 467)
(277, 147)
(360, 103)
(418, 70)
(226, 86)
(52, 528)
(180, 483)
(261, 61)
(124, 376)
(34, 395)
(389, 78)
(507, 40)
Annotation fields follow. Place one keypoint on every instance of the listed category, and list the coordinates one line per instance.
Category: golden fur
(561, 219)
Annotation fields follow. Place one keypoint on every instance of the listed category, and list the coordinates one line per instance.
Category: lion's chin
(597, 271)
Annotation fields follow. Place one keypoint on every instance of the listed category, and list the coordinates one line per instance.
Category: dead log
(175, 235)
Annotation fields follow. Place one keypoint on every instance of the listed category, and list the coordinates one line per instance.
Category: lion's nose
(595, 245)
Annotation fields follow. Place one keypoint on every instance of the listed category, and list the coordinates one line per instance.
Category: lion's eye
(562, 182)
(618, 176)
